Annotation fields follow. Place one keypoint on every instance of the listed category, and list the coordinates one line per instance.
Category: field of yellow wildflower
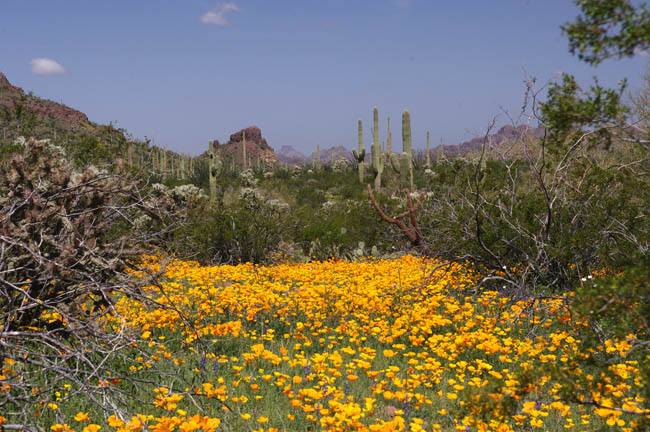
(381, 345)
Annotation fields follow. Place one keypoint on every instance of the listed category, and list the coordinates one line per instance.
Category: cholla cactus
(251, 197)
(186, 194)
(296, 171)
(340, 165)
(278, 205)
(248, 179)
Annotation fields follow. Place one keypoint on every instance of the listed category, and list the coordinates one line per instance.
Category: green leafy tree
(608, 29)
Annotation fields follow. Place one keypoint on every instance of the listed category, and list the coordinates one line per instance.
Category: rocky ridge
(16, 102)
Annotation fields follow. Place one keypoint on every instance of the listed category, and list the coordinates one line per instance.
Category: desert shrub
(67, 241)
(573, 203)
(248, 230)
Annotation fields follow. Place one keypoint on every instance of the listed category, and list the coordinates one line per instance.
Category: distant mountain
(507, 139)
(291, 156)
(331, 154)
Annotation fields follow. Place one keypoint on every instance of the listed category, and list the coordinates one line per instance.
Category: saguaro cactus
(377, 160)
(361, 155)
(164, 164)
(317, 156)
(215, 167)
(428, 152)
(389, 139)
(403, 165)
(243, 154)
(406, 142)
(406, 133)
(129, 154)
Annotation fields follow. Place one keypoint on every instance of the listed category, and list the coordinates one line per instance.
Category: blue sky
(186, 72)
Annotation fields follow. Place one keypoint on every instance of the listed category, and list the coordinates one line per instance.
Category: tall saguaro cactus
(404, 164)
(215, 166)
(377, 160)
(389, 139)
(361, 155)
(164, 164)
(406, 133)
(243, 154)
(318, 156)
(428, 152)
(129, 154)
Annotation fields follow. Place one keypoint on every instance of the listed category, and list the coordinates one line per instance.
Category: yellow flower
(115, 422)
(262, 419)
(92, 428)
(81, 416)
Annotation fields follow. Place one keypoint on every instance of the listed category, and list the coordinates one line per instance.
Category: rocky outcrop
(5, 86)
(12, 96)
(253, 135)
(256, 147)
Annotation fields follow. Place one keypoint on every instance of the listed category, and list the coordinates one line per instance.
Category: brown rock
(253, 135)
(256, 146)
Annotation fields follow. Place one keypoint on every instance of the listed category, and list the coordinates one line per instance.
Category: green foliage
(608, 29)
(569, 111)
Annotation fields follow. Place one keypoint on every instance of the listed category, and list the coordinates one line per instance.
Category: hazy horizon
(304, 72)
